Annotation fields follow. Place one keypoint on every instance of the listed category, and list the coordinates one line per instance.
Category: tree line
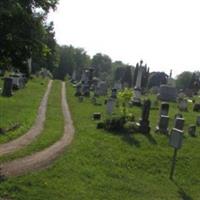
(25, 34)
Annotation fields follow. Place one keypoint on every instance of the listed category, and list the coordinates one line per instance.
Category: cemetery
(75, 126)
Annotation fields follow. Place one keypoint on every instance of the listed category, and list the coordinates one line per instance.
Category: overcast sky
(164, 33)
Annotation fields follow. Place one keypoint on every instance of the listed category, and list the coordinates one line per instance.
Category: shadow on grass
(130, 139)
(150, 139)
(183, 195)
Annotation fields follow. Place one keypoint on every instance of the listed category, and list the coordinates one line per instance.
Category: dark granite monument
(7, 87)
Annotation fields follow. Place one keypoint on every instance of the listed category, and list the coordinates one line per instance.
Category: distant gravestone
(167, 93)
(78, 90)
(176, 138)
(163, 124)
(178, 115)
(164, 109)
(110, 106)
(183, 105)
(114, 93)
(198, 121)
(196, 107)
(144, 121)
(7, 87)
(179, 123)
(192, 130)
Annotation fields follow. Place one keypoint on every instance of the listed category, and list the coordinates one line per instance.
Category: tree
(183, 80)
(102, 64)
(22, 30)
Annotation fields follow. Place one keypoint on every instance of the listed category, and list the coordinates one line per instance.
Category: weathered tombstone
(144, 121)
(164, 109)
(192, 130)
(183, 105)
(167, 93)
(198, 121)
(179, 123)
(110, 105)
(86, 90)
(102, 88)
(178, 115)
(176, 138)
(96, 116)
(7, 87)
(163, 124)
(80, 98)
(196, 107)
(114, 93)
(137, 90)
(78, 90)
(118, 86)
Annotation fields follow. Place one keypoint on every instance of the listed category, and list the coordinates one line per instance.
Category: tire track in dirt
(34, 131)
(45, 157)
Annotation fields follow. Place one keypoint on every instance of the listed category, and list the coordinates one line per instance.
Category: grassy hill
(102, 165)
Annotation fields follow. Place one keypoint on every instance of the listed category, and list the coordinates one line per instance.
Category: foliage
(124, 98)
(183, 80)
(23, 30)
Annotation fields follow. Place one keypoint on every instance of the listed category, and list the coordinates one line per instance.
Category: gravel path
(45, 157)
(35, 130)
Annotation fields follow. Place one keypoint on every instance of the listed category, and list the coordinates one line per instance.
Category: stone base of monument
(143, 127)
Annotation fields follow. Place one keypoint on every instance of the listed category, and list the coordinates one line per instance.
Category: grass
(53, 127)
(101, 165)
(21, 108)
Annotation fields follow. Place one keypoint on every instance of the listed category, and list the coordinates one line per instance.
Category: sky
(165, 34)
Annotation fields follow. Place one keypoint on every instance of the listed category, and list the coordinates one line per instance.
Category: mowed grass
(101, 165)
(53, 126)
(21, 108)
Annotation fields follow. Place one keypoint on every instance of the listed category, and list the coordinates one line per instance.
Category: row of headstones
(14, 82)
(178, 121)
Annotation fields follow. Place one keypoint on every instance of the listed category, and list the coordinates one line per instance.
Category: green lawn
(21, 108)
(101, 165)
(53, 127)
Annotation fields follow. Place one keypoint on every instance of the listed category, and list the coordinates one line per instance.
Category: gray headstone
(179, 123)
(7, 87)
(110, 106)
(192, 130)
(198, 121)
(183, 104)
(176, 138)
(164, 108)
(167, 93)
(163, 124)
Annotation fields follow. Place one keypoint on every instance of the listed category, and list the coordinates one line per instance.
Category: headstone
(164, 109)
(114, 93)
(85, 89)
(144, 121)
(192, 130)
(198, 121)
(196, 107)
(96, 116)
(183, 105)
(78, 90)
(163, 124)
(7, 87)
(178, 115)
(167, 93)
(118, 86)
(103, 88)
(137, 90)
(176, 138)
(110, 105)
(179, 123)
